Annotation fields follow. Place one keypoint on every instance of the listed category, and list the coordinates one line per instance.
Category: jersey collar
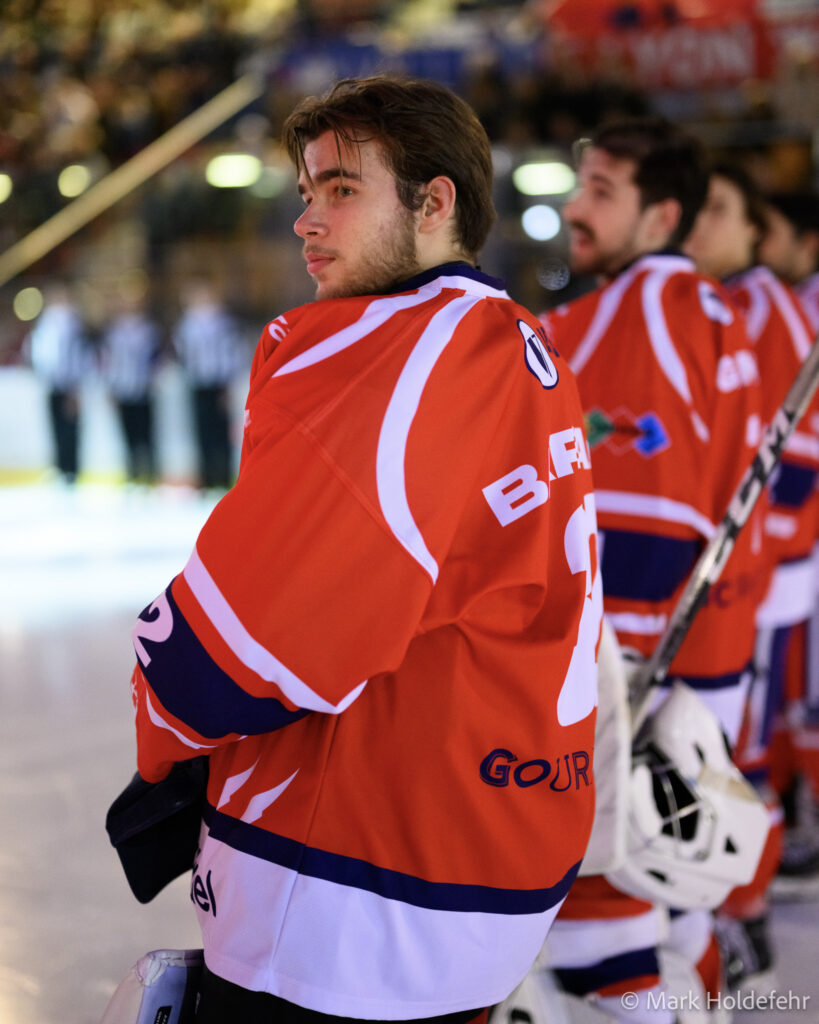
(457, 268)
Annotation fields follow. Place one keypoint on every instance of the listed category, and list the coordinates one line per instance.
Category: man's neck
(669, 250)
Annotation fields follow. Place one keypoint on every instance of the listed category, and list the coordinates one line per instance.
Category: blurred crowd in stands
(93, 82)
(98, 81)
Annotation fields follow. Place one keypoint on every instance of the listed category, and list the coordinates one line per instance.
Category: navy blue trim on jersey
(193, 688)
(792, 485)
(637, 963)
(393, 885)
(757, 776)
(457, 268)
(721, 682)
(645, 566)
(775, 680)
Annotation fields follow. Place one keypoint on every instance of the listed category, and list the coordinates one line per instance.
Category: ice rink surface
(76, 567)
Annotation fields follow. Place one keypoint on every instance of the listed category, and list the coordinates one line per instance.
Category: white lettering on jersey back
(521, 491)
(516, 494)
(567, 449)
(737, 370)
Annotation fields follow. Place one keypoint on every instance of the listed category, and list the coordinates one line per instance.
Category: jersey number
(578, 695)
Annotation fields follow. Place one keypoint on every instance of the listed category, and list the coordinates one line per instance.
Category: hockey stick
(713, 558)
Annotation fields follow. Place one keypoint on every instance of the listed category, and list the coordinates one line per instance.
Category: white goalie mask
(696, 828)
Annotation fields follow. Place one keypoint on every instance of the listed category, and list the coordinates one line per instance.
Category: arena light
(6, 186)
(544, 178)
(271, 182)
(541, 222)
(233, 170)
(28, 304)
(73, 180)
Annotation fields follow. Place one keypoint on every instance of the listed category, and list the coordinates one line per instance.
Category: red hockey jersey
(782, 338)
(808, 293)
(403, 585)
(670, 388)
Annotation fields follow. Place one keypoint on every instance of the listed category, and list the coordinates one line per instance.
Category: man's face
(607, 227)
(359, 238)
(780, 246)
(722, 239)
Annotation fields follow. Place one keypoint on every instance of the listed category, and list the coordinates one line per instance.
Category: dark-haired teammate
(670, 389)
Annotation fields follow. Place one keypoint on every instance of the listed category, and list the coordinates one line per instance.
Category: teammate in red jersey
(385, 638)
(790, 246)
(726, 242)
(670, 388)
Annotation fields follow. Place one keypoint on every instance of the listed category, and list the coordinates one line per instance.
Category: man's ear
(664, 216)
(438, 206)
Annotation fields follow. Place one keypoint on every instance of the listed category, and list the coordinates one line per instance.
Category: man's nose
(309, 223)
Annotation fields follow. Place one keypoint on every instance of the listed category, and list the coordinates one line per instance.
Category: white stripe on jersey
(802, 341)
(374, 316)
(639, 625)
(800, 443)
(398, 419)
(652, 506)
(808, 292)
(759, 307)
(658, 334)
(608, 305)
(160, 722)
(248, 650)
(791, 595)
(260, 802)
(417, 962)
(233, 783)
(578, 943)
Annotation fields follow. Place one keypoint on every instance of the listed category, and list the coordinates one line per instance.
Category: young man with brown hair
(385, 637)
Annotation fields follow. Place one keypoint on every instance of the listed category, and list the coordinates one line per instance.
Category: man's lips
(317, 261)
(580, 234)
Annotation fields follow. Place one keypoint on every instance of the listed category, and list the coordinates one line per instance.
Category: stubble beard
(392, 259)
(602, 263)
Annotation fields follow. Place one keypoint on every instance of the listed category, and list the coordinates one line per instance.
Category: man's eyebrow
(329, 175)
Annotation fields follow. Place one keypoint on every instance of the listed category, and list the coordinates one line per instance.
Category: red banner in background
(678, 45)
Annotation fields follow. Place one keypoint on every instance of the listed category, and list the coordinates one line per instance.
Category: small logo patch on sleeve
(538, 354)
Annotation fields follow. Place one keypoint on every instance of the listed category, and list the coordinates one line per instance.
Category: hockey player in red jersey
(790, 247)
(385, 637)
(725, 242)
(670, 389)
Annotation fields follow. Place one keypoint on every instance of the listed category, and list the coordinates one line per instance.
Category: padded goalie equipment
(161, 988)
(612, 759)
(696, 828)
(540, 1000)
(154, 827)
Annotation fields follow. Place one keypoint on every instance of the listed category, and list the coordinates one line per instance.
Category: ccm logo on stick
(520, 491)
